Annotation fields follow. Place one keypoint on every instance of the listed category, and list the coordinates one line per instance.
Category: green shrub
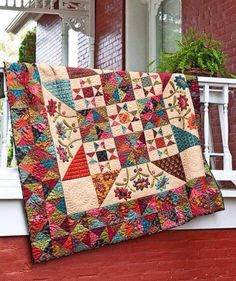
(27, 50)
(197, 52)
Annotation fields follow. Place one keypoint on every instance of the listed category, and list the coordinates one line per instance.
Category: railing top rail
(231, 82)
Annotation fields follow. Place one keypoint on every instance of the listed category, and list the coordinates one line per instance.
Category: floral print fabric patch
(106, 156)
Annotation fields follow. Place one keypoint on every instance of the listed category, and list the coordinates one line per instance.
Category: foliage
(27, 50)
(197, 51)
(9, 45)
(9, 51)
(10, 153)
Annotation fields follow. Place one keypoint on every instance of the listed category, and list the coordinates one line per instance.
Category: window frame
(153, 7)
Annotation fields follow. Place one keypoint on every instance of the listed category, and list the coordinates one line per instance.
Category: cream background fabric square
(80, 195)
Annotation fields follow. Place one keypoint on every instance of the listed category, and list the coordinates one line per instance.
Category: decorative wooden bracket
(77, 13)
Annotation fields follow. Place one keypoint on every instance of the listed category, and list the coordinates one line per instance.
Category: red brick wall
(109, 37)
(204, 255)
(49, 40)
(218, 18)
(215, 17)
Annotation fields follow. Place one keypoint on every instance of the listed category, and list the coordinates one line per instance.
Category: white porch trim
(76, 13)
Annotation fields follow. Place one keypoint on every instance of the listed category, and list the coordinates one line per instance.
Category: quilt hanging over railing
(106, 156)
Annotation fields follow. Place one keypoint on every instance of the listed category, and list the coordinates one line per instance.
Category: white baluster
(44, 3)
(206, 122)
(224, 125)
(211, 146)
(52, 4)
(90, 25)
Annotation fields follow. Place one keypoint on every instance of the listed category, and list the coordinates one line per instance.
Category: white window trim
(153, 6)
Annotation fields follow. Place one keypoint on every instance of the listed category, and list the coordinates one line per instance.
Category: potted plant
(198, 54)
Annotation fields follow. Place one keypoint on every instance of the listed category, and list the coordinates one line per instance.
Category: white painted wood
(224, 175)
(13, 221)
(4, 129)
(51, 4)
(10, 187)
(153, 6)
(91, 41)
(216, 91)
(225, 129)
(217, 81)
(91, 32)
(76, 13)
(153, 35)
(12, 218)
(136, 35)
(206, 123)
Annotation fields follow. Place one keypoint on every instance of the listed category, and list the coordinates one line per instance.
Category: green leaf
(27, 50)
(197, 50)
(67, 124)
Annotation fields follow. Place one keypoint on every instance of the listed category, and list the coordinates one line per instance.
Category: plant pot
(197, 72)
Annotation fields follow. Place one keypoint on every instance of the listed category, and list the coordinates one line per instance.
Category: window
(168, 26)
(164, 20)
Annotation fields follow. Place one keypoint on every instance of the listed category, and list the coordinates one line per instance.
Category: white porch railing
(216, 91)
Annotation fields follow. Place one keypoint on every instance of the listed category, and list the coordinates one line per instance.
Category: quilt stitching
(85, 185)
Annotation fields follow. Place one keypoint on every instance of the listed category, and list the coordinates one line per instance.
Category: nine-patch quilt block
(106, 156)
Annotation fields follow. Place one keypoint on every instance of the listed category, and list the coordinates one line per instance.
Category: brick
(109, 34)
(162, 275)
(197, 15)
(49, 40)
(145, 259)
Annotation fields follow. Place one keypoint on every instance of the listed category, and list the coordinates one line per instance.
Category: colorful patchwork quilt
(106, 156)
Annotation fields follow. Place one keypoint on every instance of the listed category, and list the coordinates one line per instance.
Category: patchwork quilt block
(106, 156)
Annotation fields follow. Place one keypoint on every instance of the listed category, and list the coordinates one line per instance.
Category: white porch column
(91, 32)
(4, 129)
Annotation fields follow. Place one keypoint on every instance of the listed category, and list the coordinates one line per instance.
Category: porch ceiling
(20, 20)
